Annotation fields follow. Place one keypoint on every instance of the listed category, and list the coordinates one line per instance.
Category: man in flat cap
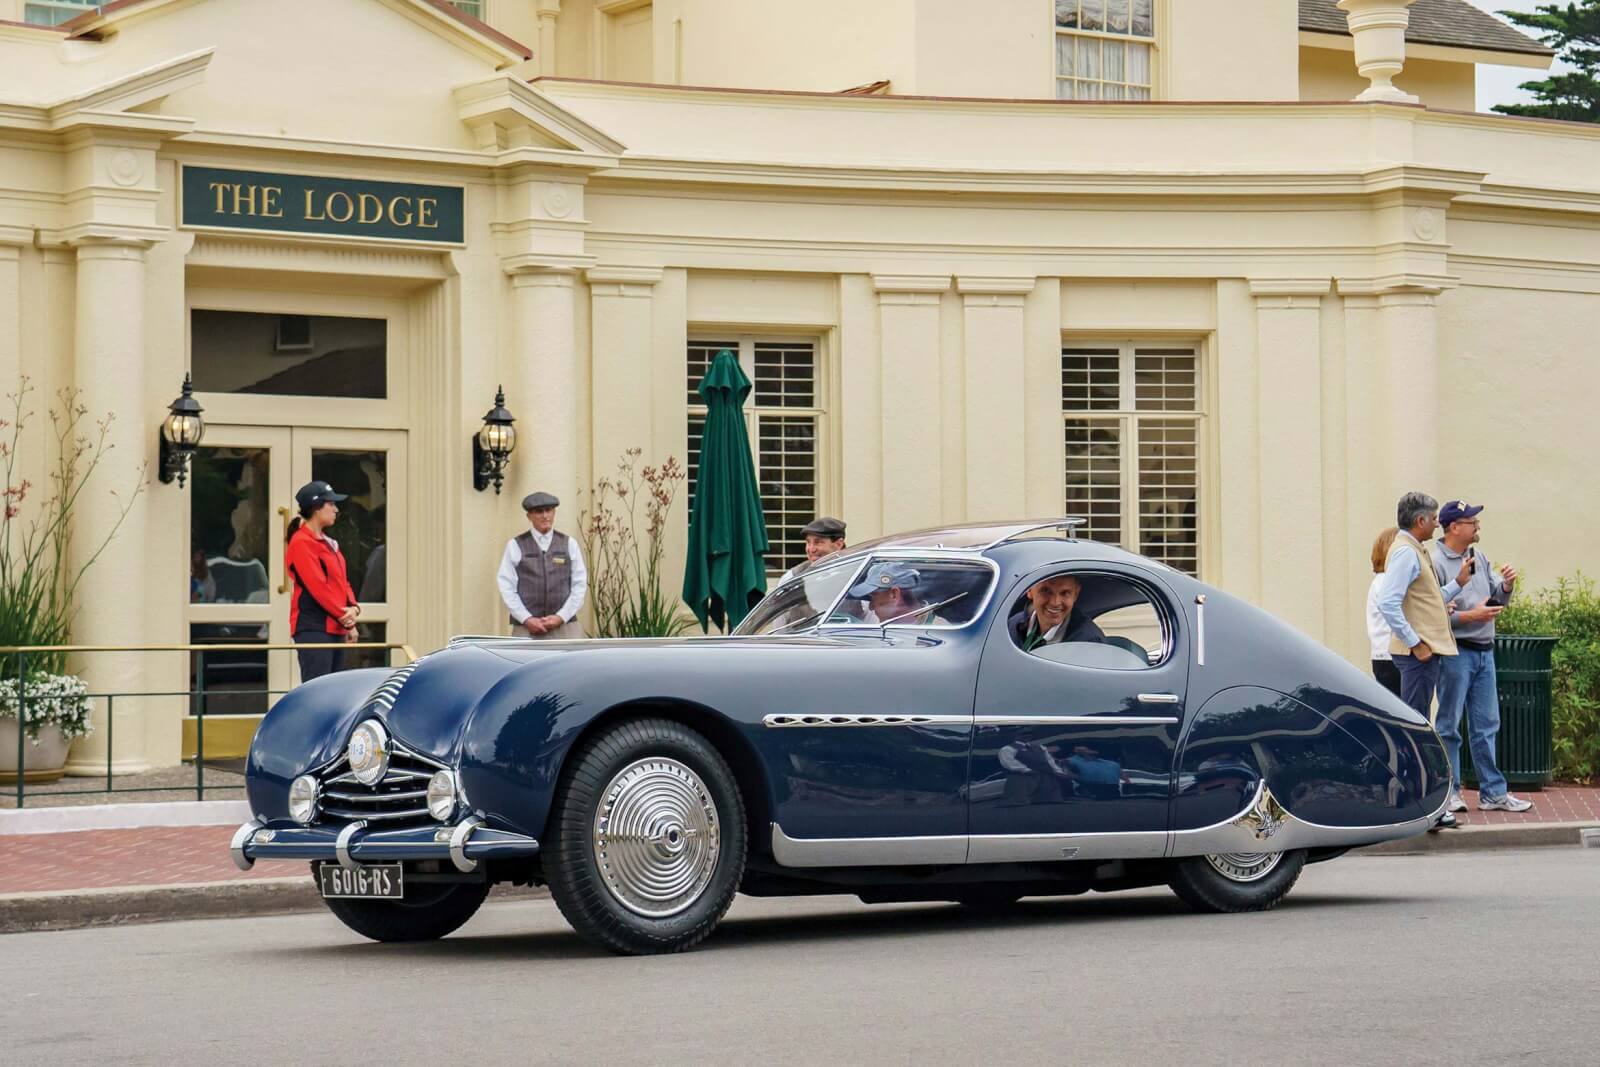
(824, 536)
(542, 576)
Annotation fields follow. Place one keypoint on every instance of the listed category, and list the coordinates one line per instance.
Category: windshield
(799, 605)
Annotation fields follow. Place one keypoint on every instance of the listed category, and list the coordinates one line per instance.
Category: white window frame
(1156, 25)
(744, 346)
(1128, 418)
(70, 9)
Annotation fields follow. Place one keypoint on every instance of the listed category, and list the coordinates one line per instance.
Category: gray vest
(542, 583)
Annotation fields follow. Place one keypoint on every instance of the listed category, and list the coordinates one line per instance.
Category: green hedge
(1569, 612)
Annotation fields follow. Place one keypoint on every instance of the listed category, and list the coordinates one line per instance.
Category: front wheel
(647, 842)
(1236, 881)
(428, 911)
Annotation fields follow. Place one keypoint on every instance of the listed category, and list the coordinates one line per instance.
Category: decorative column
(544, 391)
(1289, 361)
(994, 341)
(109, 373)
(1408, 383)
(1379, 29)
(620, 331)
(11, 303)
(548, 10)
(908, 331)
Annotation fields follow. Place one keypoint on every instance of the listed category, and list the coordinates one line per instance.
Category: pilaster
(620, 348)
(909, 342)
(544, 380)
(994, 341)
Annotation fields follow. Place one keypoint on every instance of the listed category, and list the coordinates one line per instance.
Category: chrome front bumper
(464, 844)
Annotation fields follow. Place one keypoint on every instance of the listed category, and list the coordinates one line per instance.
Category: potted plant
(625, 566)
(43, 708)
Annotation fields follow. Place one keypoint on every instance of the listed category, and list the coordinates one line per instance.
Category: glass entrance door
(241, 502)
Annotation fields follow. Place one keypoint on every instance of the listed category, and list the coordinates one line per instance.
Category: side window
(1085, 619)
(916, 592)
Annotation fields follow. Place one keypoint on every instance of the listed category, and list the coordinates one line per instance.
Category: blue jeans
(1417, 682)
(1466, 683)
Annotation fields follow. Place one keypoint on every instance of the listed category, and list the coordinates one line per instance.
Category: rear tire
(1236, 881)
(429, 911)
(647, 843)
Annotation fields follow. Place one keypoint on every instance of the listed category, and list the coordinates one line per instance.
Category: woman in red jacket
(323, 610)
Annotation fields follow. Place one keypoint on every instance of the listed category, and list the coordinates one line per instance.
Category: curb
(124, 816)
(1475, 838)
(73, 909)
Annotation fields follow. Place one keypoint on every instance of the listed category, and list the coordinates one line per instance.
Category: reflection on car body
(823, 748)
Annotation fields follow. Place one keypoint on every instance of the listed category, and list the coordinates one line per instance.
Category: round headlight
(442, 796)
(303, 800)
(368, 752)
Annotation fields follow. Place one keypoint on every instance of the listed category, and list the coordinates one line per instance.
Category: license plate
(380, 881)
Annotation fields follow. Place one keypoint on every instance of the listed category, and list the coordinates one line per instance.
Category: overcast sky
(1498, 85)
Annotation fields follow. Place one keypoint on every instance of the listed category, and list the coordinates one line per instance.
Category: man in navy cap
(1467, 680)
(542, 576)
(891, 592)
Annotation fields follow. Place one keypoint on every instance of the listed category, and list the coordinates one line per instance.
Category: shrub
(1569, 612)
(625, 567)
(52, 698)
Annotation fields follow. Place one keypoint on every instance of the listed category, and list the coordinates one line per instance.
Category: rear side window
(1091, 620)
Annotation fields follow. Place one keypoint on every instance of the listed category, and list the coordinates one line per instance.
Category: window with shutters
(1132, 415)
(1105, 49)
(469, 7)
(784, 416)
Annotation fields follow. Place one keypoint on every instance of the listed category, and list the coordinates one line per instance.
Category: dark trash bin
(1525, 748)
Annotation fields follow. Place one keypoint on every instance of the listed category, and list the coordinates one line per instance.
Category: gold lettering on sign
(270, 208)
(349, 207)
(311, 214)
(425, 206)
(369, 209)
(246, 195)
(218, 188)
(400, 211)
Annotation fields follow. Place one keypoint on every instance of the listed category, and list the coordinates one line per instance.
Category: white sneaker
(1455, 803)
(1505, 803)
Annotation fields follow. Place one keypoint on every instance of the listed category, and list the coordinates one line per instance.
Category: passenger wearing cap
(323, 609)
(892, 595)
(542, 576)
(1467, 679)
(824, 536)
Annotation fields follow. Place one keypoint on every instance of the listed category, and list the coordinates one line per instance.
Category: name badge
(558, 560)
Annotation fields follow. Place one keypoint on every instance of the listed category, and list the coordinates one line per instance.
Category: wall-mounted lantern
(181, 432)
(492, 446)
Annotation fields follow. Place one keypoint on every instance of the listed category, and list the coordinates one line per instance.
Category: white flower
(58, 699)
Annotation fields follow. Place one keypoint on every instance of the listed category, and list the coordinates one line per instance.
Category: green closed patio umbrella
(726, 574)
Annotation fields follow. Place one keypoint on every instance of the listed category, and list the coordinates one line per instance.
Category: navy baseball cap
(884, 576)
(316, 494)
(1456, 510)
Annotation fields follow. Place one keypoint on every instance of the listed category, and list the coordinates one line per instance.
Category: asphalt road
(1485, 958)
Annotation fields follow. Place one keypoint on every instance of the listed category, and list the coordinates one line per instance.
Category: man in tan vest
(1413, 604)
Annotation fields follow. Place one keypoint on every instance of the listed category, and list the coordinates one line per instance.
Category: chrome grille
(399, 799)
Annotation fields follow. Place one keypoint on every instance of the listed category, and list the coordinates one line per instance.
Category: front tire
(1234, 882)
(428, 912)
(648, 841)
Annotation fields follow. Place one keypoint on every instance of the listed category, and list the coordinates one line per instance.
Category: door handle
(283, 513)
(1158, 698)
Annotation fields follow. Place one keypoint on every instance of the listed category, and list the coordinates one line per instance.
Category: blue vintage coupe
(914, 719)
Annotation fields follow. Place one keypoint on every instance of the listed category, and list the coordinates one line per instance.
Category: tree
(1574, 32)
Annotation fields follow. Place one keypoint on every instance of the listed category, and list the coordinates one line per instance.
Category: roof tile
(1451, 23)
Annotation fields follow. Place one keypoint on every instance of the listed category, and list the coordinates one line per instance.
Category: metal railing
(197, 698)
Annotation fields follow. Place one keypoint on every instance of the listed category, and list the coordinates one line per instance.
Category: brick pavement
(172, 855)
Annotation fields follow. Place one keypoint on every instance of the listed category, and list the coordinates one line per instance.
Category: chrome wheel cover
(656, 837)
(1244, 866)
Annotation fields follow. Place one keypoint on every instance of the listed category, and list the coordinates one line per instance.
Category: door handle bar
(1158, 698)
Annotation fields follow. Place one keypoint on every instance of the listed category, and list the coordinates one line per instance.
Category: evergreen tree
(1574, 32)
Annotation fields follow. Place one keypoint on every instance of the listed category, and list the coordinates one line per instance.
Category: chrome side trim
(1200, 629)
(1034, 848)
(787, 721)
(1070, 524)
(866, 851)
(1074, 720)
(1266, 826)
(241, 838)
(341, 845)
(458, 844)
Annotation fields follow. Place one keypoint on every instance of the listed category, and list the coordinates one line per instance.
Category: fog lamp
(368, 752)
(442, 795)
(303, 800)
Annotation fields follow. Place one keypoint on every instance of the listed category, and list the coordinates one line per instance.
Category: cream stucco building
(1143, 260)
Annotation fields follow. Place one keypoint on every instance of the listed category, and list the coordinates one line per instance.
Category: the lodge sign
(310, 204)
